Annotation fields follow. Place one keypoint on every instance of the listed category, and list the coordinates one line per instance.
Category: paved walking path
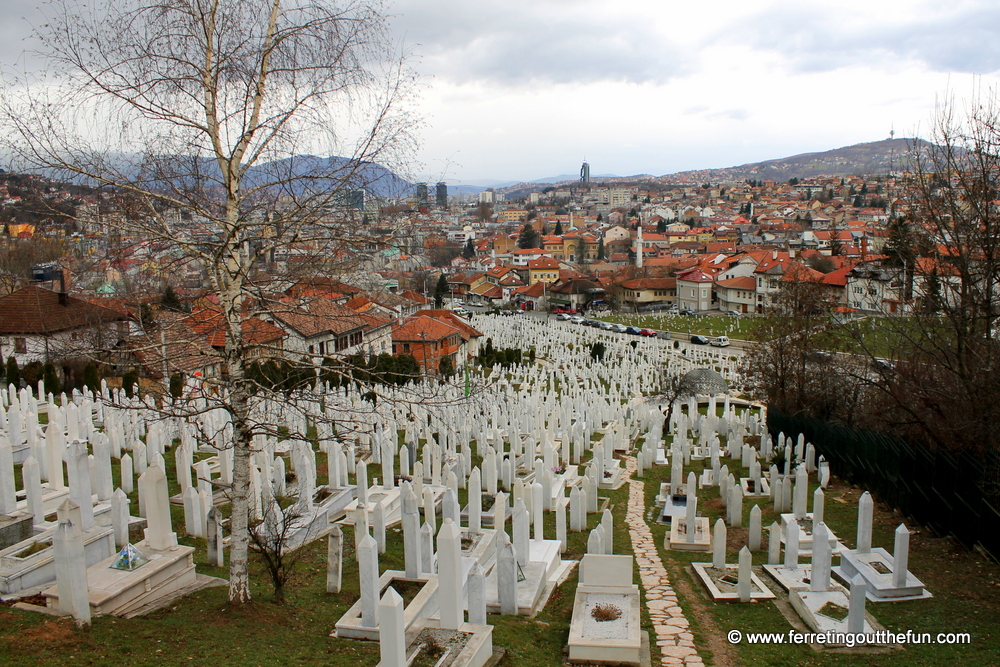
(673, 636)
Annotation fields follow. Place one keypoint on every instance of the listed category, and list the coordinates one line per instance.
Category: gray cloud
(816, 39)
(547, 41)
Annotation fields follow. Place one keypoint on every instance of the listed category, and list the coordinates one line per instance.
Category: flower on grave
(558, 469)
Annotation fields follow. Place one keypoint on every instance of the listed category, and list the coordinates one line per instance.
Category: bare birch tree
(199, 112)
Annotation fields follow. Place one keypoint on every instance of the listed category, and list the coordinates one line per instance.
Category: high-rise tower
(585, 173)
(441, 195)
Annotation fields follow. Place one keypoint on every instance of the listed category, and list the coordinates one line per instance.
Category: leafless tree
(271, 540)
(198, 112)
(936, 380)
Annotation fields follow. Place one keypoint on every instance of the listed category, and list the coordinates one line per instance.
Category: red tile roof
(421, 329)
(34, 310)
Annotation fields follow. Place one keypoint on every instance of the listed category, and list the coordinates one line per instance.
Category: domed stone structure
(704, 382)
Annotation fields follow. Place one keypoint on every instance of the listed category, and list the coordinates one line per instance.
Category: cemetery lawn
(879, 336)
(203, 629)
(739, 328)
(965, 585)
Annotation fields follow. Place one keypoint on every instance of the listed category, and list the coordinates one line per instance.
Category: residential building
(37, 324)
(695, 290)
(646, 293)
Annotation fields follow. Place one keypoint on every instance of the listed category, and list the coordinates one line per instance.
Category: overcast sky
(522, 89)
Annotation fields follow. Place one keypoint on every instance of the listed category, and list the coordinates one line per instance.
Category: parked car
(620, 328)
(665, 335)
(699, 340)
(647, 332)
(733, 313)
(720, 341)
(461, 311)
(562, 317)
(687, 312)
(635, 331)
(607, 326)
(577, 320)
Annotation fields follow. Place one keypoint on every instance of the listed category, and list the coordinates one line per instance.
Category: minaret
(638, 245)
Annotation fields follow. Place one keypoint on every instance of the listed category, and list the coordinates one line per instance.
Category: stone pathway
(673, 636)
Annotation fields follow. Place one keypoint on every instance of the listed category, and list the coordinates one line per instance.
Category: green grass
(710, 325)
(966, 589)
(879, 336)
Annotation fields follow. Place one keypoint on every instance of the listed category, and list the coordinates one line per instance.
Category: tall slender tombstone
(71, 568)
(391, 629)
(856, 605)
(119, 517)
(477, 594)
(427, 549)
(192, 505)
(411, 532)
(430, 510)
(153, 487)
(368, 576)
(500, 512)
(819, 575)
(205, 503)
(577, 510)
(607, 523)
(538, 511)
(753, 538)
(595, 543)
(79, 482)
(900, 557)
(735, 508)
(792, 546)
(361, 479)
(801, 492)
(562, 503)
(719, 545)
(774, 544)
(361, 528)
(450, 582)
(865, 507)
(8, 490)
(590, 488)
(519, 518)
(786, 494)
(127, 475)
(819, 506)
(31, 480)
(334, 559)
(388, 473)
(213, 530)
(54, 446)
(743, 586)
(378, 525)
(691, 509)
(507, 564)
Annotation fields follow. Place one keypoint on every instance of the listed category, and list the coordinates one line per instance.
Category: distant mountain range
(875, 157)
(323, 173)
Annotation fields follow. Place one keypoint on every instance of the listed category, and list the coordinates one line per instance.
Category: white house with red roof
(695, 290)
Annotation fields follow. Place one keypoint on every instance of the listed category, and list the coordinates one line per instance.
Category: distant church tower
(585, 173)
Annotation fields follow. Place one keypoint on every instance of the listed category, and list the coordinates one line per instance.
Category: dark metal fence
(950, 493)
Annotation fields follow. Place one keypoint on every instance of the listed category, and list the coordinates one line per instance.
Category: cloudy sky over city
(523, 89)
